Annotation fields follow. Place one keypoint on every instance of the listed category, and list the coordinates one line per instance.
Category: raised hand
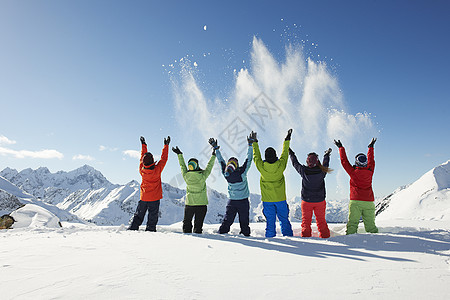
(288, 136)
(372, 142)
(177, 150)
(213, 143)
(327, 152)
(291, 152)
(252, 138)
(167, 140)
(338, 143)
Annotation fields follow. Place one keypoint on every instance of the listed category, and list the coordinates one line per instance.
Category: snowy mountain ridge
(428, 198)
(86, 194)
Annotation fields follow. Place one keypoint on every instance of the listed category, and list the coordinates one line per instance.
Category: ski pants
(152, 219)
(199, 211)
(319, 211)
(271, 211)
(241, 207)
(358, 208)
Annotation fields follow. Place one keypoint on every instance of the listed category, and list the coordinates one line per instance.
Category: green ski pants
(358, 208)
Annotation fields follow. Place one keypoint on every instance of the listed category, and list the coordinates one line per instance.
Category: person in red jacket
(151, 190)
(361, 193)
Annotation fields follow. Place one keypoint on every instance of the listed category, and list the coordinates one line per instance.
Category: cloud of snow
(83, 157)
(45, 154)
(299, 93)
(5, 141)
(269, 97)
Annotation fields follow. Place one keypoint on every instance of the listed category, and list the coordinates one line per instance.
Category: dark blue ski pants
(241, 207)
(152, 219)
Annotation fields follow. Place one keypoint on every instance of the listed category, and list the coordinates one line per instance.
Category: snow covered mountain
(87, 194)
(428, 198)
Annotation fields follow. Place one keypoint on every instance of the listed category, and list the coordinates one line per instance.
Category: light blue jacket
(237, 180)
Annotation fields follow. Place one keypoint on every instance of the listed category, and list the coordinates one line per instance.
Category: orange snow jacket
(151, 189)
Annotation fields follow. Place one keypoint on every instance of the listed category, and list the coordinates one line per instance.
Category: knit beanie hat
(271, 155)
(232, 165)
(193, 164)
(361, 160)
(148, 159)
(312, 160)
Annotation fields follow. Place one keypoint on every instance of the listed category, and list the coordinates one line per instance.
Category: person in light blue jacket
(237, 188)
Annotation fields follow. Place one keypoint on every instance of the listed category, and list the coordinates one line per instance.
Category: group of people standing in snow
(272, 184)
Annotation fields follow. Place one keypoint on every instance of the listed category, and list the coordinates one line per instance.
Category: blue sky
(85, 79)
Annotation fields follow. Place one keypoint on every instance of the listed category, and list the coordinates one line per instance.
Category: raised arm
(143, 151)
(371, 155)
(285, 153)
(248, 161)
(209, 166)
(164, 155)
(221, 161)
(297, 166)
(344, 161)
(326, 158)
(257, 156)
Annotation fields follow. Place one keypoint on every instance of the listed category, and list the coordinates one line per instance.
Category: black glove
(338, 143)
(291, 152)
(167, 141)
(213, 143)
(372, 142)
(328, 152)
(143, 141)
(252, 138)
(177, 150)
(288, 136)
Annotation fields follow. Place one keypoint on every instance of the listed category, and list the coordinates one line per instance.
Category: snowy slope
(100, 262)
(34, 216)
(428, 198)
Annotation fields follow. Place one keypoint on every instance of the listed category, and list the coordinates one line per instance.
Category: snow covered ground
(410, 259)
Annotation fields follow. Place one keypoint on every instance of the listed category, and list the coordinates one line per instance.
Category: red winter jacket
(360, 178)
(151, 189)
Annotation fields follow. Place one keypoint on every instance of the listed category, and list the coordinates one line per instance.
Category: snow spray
(270, 97)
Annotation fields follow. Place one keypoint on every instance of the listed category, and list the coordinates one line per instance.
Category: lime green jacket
(272, 183)
(196, 182)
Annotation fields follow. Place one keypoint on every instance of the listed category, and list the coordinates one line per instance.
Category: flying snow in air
(204, 28)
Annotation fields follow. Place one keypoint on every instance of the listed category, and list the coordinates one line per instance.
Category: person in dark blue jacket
(313, 191)
(238, 191)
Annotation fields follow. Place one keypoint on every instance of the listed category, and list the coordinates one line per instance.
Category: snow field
(79, 261)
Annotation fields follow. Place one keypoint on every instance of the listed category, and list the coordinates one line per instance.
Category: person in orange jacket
(151, 190)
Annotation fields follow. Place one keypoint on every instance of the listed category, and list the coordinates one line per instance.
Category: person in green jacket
(273, 188)
(196, 197)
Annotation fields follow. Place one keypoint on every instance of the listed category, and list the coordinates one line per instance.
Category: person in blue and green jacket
(196, 196)
(273, 187)
(238, 191)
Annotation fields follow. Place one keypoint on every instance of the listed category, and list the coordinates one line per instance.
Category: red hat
(312, 160)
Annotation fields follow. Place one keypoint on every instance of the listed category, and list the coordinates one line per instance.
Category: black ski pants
(152, 219)
(199, 211)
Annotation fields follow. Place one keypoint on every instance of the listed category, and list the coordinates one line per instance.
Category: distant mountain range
(85, 195)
